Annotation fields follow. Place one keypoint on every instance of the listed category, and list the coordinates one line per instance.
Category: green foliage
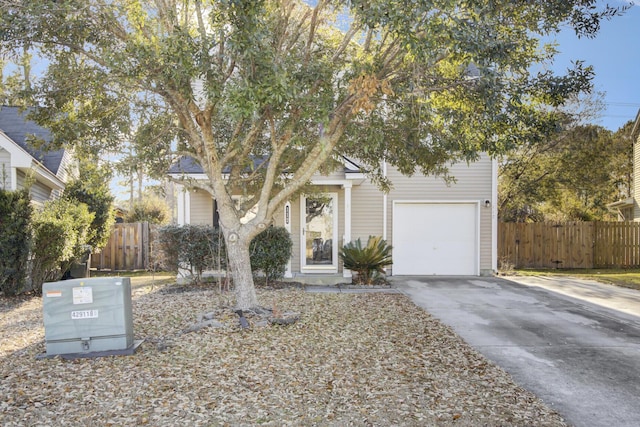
(200, 247)
(270, 252)
(193, 247)
(560, 179)
(97, 196)
(15, 240)
(150, 209)
(367, 261)
(61, 231)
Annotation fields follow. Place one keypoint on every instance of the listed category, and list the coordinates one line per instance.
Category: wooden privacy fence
(569, 244)
(127, 249)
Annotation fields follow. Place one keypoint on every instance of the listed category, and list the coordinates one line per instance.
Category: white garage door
(435, 238)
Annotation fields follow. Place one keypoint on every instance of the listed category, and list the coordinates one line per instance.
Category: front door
(319, 214)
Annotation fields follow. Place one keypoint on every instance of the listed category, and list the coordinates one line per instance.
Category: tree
(151, 209)
(268, 92)
(92, 189)
(573, 176)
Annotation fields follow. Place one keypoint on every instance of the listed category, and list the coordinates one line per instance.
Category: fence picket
(570, 245)
(126, 250)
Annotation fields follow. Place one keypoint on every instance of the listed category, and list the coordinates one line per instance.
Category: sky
(615, 56)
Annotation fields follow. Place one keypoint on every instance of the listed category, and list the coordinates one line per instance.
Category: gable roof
(18, 128)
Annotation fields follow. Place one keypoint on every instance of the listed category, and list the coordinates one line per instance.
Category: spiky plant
(366, 261)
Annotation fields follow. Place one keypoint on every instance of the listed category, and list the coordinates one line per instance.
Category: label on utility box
(82, 295)
(84, 314)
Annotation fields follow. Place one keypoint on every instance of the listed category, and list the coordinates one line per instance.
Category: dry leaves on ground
(351, 359)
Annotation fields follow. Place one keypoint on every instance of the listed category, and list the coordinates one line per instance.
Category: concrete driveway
(575, 344)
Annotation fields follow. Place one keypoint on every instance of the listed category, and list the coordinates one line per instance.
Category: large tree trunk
(240, 266)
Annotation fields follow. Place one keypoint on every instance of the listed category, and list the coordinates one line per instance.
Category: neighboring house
(21, 165)
(435, 228)
(628, 209)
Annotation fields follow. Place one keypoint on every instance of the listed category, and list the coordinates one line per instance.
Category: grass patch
(140, 279)
(627, 278)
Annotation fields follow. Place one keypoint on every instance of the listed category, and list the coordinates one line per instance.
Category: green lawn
(140, 278)
(628, 278)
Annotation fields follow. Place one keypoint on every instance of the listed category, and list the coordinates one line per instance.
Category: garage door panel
(435, 238)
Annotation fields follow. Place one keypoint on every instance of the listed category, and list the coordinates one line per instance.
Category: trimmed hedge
(200, 247)
(270, 252)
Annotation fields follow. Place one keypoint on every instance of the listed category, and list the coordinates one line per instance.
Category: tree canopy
(268, 92)
(572, 176)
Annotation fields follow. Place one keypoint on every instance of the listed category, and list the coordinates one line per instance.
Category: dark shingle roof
(187, 165)
(14, 124)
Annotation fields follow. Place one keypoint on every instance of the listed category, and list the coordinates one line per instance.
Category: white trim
(329, 269)
(347, 224)
(340, 182)
(19, 158)
(494, 215)
(478, 207)
(385, 204)
(184, 205)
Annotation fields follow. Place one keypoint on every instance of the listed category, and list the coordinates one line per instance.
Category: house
(435, 228)
(21, 164)
(628, 209)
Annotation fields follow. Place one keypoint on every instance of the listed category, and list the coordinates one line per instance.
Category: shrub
(270, 252)
(367, 261)
(99, 200)
(61, 231)
(15, 240)
(194, 247)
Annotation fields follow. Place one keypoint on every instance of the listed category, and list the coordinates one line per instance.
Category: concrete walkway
(575, 344)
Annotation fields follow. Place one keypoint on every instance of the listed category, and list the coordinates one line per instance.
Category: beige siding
(5, 169)
(367, 211)
(473, 183)
(368, 205)
(201, 208)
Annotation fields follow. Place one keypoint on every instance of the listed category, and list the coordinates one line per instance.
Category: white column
(287, 226)
(347, 221)
(184, 205)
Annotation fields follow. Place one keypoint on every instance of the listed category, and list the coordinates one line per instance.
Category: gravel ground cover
(351, 359)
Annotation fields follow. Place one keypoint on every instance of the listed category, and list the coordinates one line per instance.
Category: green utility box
(87, 315)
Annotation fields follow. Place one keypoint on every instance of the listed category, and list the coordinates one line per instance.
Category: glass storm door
(319, 232)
